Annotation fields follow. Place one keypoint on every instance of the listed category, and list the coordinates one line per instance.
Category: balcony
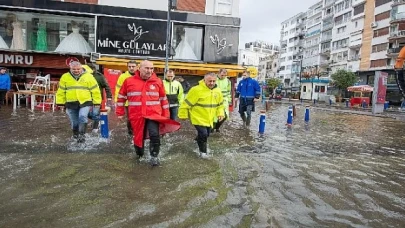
(397, 2)
(357, 2)
(397, 17)
(298, 43)
(393, 51)
(325, 51)
(397, 34)
(339, 47)
(326, 39)
(329, 3)
(327, 26)
(354, 58)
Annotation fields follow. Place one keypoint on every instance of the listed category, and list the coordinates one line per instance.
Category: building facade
(268, 67)
(254, 51)
(38, 36)
(362, 36)
(291, 50)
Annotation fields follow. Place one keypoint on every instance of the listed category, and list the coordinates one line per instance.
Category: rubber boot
(248, 121)
(82, 132)
(75, 133)
(202, 146)
(243, 119)
(154, 149)
(139, 152)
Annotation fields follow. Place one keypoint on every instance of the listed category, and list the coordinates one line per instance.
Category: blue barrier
(262, 123)
(307, 114)
(104, 124)
(290, 116)
(386, 105)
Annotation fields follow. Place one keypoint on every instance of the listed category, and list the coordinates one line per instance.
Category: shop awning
(180, 68)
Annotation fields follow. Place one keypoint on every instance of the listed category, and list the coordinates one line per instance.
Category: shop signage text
(13, 59)
(125, 36)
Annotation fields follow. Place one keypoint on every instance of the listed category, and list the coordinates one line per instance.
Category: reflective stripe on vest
(148, 103)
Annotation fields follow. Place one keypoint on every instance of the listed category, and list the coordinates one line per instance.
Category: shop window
(187, 42)
(304, 89)
(323, 89)
(46, 32)
(317, 89)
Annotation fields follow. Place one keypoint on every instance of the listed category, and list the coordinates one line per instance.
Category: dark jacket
(186, 86)
(102, 84)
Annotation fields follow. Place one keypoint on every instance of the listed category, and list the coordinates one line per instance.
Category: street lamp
(171, 4)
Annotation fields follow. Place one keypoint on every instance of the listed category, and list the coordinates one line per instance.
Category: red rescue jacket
(146, 100)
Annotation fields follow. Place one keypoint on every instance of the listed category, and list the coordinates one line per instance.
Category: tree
(272, 83)
(343, 79)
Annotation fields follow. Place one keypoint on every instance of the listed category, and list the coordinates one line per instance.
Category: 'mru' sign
(126, 36)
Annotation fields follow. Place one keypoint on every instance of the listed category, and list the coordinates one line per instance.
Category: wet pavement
(340, 170)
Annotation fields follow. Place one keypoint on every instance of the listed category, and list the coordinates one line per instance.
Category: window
(379, 47)
(382, 16)
(187, 41)
(378, 63)
(224, 7)
(381, 2)
(381, 32)
(358, 9)
(304, 89)
(341, 29)
(46, 32)
(316, 89)
(323, 89)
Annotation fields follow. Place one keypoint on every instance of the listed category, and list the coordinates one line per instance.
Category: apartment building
(313, 37)
(254, 51)
(268, 67)
(341, 30)
(291, 52)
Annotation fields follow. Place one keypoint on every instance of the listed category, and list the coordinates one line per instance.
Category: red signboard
(112, 78)
(382, 88)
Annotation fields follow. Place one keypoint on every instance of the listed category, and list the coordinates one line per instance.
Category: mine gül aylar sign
(132, 37)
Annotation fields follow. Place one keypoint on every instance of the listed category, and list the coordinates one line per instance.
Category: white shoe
(204, 155)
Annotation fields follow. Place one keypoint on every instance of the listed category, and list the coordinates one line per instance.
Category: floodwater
(340, 170)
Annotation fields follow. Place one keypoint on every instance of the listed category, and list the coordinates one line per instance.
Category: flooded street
(340, 170)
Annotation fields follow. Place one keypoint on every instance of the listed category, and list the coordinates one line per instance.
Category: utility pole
(169, 8)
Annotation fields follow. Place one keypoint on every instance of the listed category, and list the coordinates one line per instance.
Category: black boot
(202, 146)
(139, 151)
(82, 132)
(154, 149)
(75, 133)
(243, 119)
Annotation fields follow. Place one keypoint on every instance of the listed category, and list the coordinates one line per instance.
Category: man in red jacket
(148, 110)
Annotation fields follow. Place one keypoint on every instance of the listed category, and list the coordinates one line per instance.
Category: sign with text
(221, 44)
(37, 60)
(133, 37)
(382, 88)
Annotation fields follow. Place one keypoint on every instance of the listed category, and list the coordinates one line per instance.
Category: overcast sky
(261, 19)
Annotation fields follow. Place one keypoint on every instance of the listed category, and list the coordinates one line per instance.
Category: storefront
(34, 43)
(195, 49)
